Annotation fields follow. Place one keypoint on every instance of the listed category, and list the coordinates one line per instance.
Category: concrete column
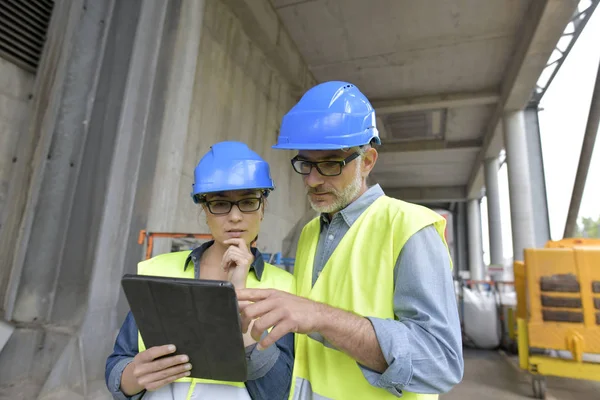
(521, 210)
(460, 231)
(475, 242)
(492, 191)
(539, 198)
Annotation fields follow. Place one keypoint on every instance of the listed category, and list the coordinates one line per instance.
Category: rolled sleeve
(114, 381)
(125, 349)
(259, 362)
(273, 366)
(423, 345)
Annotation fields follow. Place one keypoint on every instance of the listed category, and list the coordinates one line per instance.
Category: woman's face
(242, 220)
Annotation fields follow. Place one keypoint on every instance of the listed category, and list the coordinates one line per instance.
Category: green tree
(588, 227)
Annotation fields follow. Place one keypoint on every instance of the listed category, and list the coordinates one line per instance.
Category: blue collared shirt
(269, 370)
(423, 345)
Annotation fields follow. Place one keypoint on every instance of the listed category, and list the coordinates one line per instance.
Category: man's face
(330, 194)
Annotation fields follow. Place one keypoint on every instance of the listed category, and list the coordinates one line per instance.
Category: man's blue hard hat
(330, 116)
(230, 166)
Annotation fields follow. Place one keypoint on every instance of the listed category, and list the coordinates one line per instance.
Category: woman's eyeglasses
(221, 207)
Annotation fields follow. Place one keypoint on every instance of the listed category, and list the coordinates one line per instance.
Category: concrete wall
(128, 97)
(236, 95)
(16, 86)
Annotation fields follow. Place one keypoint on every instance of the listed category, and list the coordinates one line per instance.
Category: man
(375, 316)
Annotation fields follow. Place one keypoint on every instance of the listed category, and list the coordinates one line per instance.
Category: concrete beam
(451, 100)
(425, 145)
(424, 195)
(541, 29)
(262, 25)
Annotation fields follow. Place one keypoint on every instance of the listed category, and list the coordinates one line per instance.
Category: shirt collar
(258, 265)
(355, 209)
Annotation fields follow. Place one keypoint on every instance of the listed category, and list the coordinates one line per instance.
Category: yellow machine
(558, 308)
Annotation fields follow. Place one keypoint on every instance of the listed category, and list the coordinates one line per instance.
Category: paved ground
(490, 376)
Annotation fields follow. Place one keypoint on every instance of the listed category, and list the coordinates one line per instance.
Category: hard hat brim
(322, 146)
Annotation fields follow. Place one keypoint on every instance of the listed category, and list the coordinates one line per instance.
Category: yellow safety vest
(171, 265)
(358, 277)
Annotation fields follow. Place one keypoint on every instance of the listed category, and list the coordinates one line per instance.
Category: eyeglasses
(325, 168)
(222, 207)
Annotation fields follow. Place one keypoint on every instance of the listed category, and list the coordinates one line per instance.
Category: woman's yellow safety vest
(172, 265)
(358, 277)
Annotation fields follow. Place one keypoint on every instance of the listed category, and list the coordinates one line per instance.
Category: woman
(231, 185)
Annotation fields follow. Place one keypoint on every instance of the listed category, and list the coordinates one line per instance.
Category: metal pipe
(585, 158)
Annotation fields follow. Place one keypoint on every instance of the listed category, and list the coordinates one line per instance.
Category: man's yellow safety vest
(358, 277)
(172, 265)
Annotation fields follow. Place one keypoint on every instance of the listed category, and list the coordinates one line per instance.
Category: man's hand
(286, 312)
(346, 331)
(236, 262)
(146, 372)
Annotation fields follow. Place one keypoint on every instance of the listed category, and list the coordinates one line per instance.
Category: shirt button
(330, 237)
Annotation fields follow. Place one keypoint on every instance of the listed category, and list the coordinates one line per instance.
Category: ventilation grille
(416, 125)
(23, 26)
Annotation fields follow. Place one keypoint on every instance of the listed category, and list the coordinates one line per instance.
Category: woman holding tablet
(231, 185)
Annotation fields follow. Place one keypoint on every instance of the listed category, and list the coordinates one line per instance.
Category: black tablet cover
(200, 317)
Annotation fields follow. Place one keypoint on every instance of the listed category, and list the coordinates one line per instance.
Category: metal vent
(23, 26)
(417, 125)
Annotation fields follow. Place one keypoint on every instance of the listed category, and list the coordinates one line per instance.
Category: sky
(563, 118)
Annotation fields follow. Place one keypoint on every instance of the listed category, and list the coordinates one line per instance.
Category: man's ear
(368, 160)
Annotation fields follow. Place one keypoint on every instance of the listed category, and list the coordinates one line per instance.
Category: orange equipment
(149, 237)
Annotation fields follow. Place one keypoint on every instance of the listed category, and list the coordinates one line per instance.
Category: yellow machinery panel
(558, 308)
(572, 242)
(563, 298)
(520, 289)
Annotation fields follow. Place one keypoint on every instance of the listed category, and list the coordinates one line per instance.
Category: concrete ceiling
(440, 74)
(395, 48)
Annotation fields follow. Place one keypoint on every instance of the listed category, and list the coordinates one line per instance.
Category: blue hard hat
(230, 166)
(332, 115)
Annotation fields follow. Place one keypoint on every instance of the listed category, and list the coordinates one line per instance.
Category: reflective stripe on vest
(171, 265)
(358, 277)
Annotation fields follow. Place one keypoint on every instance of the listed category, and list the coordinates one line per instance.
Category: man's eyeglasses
(222, 207)
(325, 168)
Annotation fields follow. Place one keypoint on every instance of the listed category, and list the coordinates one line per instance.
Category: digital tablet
(200, 317)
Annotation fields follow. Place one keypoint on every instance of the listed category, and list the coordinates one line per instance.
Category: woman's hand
(146, 372)
(236, 262)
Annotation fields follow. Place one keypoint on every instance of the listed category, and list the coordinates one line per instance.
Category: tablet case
(200, 317)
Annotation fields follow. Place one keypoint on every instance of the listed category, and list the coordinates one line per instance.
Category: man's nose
(313, 179)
